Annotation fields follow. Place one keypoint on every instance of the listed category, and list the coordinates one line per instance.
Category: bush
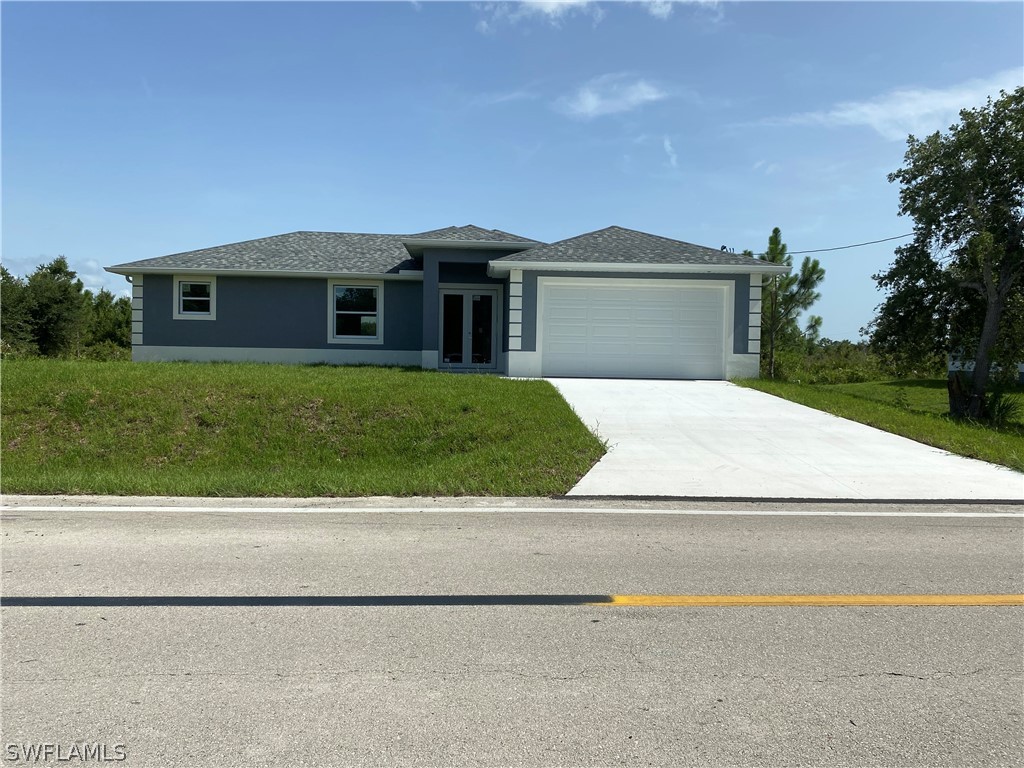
(828, 362)
(1004, 409)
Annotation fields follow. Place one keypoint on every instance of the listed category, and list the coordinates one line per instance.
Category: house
(610, 303)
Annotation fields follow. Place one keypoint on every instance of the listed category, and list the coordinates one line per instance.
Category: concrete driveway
(715, 439)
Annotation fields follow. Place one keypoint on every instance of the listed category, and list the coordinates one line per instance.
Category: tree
(111, 319)
(784, 297)
(16, 333)
(965, 192)
(58, 307)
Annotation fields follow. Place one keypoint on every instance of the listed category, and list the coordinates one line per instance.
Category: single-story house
(610, 303)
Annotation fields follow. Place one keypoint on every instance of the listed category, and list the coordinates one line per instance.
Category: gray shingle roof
(470, 233)
(294, 252)
(618, 245)
(329, 252)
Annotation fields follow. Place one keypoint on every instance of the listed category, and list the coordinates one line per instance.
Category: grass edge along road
(251, 429)
(920, 418)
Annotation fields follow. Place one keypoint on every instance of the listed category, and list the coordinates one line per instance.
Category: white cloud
(659, 9)
(609, 95)
(553, 11)
(673, 158)
(505, 97)
(765, 167)
(920, 111)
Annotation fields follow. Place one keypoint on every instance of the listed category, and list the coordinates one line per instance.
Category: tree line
(51, 313)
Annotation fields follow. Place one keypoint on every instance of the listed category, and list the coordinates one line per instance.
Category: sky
(134, 130)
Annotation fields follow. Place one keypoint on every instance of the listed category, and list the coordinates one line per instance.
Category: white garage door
(632, 329)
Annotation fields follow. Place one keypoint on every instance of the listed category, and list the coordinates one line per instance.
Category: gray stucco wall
(276, 313)
(741, 307)
(454, 265)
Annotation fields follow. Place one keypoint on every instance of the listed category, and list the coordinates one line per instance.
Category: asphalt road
(185, 682)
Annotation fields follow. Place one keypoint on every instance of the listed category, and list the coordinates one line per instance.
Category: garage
(642, 329)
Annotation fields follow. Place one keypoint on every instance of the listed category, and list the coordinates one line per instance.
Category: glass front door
(468, 328)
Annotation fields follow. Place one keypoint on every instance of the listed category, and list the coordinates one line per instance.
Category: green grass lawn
(274, 430)
(915, 408)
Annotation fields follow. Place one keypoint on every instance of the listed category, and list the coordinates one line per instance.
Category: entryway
(469, 329)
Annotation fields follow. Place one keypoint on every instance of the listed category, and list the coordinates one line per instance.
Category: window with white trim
(356, 312)
(195, 298)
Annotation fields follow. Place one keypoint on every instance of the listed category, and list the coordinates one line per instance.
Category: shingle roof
(294, 252)
(618, 245)
(330, 252)
(471, 233)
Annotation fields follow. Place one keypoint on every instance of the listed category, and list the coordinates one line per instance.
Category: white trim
(756, 281)
(151, 353)
(755, 306)
(136, 291)
(136, 314)
(753, 333)
(412, 276)
(754, 347)
(515, 343)
(515, 275)
(515, 302)
(136, 302)
(515, 316)
(501, 268)
(754, 320)
(135, 278)
(515, 329)
(331, 338)
(429, 358)
(137, 327)
(176, 311)
(728, 303)
(136, 343)
(515, 289)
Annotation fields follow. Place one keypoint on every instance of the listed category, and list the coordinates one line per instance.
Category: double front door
(469, 328)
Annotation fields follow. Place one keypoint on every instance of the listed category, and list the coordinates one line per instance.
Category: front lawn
(912, 408)
(195, 429)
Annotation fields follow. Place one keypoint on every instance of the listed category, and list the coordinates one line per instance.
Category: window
(356, 314)
(195, 298)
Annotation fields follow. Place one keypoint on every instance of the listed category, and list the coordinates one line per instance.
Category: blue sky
(133, 130)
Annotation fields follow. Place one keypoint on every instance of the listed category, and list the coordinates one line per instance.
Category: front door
(469, 324)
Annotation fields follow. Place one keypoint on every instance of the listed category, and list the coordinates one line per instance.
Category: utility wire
(855, 245)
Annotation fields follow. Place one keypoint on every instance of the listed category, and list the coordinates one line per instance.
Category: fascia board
(503, 267)
(126, 270)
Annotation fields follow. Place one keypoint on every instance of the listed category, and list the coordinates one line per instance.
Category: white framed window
(355, 312)
(195, 297)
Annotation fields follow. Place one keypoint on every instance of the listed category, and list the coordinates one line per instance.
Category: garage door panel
(632, 331)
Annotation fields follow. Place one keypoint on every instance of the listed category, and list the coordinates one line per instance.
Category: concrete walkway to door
(715, 439)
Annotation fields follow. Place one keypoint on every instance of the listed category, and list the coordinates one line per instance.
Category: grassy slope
(922, 418)
(232, 430)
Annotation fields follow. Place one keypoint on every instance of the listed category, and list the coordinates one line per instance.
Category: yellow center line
(722, 601)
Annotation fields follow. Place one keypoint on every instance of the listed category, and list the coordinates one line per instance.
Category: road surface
(415, 633)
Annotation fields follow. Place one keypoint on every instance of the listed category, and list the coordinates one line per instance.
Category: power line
(855, 245)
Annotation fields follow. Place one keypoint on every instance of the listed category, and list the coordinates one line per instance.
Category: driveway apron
(715, 439)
